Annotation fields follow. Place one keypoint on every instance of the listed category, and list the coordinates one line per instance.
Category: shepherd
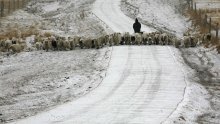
(137, 26)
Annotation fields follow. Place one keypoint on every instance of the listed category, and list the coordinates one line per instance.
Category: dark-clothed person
(137, 26)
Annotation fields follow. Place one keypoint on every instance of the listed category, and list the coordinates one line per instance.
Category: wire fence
(9, 6)
(207, 13)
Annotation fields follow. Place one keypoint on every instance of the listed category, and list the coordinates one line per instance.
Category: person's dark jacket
(137, 26)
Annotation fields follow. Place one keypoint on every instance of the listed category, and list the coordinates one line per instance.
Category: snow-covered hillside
(64, 17)
(164, 15)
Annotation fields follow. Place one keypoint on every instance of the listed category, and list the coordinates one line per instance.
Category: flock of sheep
(55, 42)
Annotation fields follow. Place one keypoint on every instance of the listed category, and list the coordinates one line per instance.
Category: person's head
(136, 20)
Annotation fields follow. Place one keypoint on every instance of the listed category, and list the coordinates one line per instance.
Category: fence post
(210, 24)
(217, 28)
(9, 6)
(195, 8)
(14, 5)
(23, 3)
(18, 4)
(2, 8)
(205, 20)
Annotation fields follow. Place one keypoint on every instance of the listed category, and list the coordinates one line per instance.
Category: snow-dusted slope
(144, 84)
(109, 11)
(63, 17)
(165, 15)
(31, 82)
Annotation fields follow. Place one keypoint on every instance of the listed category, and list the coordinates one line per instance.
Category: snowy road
(109, 11)
(143, 84)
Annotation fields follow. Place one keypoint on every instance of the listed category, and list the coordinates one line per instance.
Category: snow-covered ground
(31, 82)
(206, 62)
(64, 17)
(143, 84)
(110, 12)
(162, 15)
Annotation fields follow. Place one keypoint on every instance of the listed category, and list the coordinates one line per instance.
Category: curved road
(109, 12)
(143, 85)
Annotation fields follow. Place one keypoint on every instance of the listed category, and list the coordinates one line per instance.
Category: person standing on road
(137, 26)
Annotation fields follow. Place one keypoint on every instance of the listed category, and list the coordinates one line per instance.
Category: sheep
(39, 45)
(72, 43)
(170, 40)
(145, 38)
(66, 44)
(107, 39)
(117, 38)
(76, 40)
(21, 41)
(46, 44)
(14, 40)
(176, 43)
(206, 38)
(122, 42)
(133, 39)
(127, 38)
(150, 40)
(186, 41)
(138, 38)
(98, 43)
(16, 48)
(81, 45)
(53, 41)
(111, 40)
(163, 39)
(88, 43)
(8, 44)
(102, 41)
(156, 38)
(193, 41)
(60, 44)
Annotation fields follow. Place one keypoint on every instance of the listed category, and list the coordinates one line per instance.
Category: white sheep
(60, 43)
(145, 37)
(16, 48)
(98, 42)
(7, 44)
(72, 43)
(46, 44)
(88, 43)
(39, 45)
(117, 38)
(127, 38)
(156, 38)
(163, 39)
(111, 40)
(138, 38)
(66, 44)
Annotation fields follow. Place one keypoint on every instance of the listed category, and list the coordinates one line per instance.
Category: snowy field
(31, 82)
(123, 84)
